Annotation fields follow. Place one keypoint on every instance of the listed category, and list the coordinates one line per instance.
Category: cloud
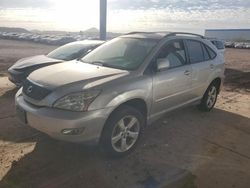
(178, 15)
(24, 3)
(179, 4)
(178, 20)
(127, 15)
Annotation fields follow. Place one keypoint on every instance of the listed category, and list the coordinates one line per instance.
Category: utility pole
(103, 19)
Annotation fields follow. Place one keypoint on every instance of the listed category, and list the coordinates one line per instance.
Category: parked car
(111, 94)
(229, 44)
(246, 45)
(239, 45)
(22, 68)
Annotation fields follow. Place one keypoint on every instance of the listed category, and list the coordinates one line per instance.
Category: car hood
(34, 60)
(71, 72)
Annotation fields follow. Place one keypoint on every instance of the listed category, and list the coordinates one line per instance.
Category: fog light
(75, 131)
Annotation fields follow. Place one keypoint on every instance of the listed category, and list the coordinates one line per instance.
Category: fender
(129, 95)
(218, 73)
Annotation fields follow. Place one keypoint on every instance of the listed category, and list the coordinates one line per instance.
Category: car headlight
(79, 101)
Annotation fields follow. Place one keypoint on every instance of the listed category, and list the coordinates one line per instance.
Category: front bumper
(52, 121)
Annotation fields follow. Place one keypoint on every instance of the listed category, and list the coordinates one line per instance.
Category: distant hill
(13, 29)
(50, 32)
(91, 30)
(91, 33)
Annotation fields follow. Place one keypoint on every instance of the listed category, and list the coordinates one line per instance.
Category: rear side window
(212, 54)
(199, 52)
(195, 51)
(205, 52)
(219, 45)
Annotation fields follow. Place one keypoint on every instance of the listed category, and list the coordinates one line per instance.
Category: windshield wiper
(99, 63)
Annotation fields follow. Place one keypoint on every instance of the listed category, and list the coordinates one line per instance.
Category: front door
(171, 87)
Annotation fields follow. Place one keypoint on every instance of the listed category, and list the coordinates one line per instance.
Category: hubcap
(125, 133)
(211, 97)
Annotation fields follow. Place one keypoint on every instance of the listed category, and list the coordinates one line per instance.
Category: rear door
(171, 87)
(201, 59)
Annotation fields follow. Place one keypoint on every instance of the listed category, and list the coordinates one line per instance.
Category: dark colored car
(23, 67)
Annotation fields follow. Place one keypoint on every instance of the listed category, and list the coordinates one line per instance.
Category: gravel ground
(186, 148)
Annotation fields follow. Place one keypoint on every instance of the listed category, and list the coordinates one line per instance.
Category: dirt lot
(186, 148)
(11, 51)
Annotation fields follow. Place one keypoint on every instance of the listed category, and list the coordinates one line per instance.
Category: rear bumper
(53, 121)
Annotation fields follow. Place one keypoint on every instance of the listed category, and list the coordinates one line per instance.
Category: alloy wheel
(212, 93)
(125, 133)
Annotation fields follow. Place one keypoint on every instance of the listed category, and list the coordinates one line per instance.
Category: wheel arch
(137, 103)
(217, 82)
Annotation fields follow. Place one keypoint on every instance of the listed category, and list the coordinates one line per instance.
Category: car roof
(150, 35)
(159, 35)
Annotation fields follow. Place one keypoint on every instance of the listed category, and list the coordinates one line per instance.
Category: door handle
(211, 66)
(187, 72)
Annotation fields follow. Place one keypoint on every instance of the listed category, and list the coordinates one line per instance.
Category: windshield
(121, 53)
(69, 52)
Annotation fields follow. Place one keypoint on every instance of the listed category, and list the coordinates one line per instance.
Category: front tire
(209, 98)
(122, 131)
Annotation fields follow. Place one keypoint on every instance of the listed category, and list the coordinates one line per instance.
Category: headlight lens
(77, 101)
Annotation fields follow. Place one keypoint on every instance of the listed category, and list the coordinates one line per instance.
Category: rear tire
(122, 131)
(209, 98)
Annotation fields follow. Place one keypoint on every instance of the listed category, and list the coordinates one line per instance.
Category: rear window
(195, 51)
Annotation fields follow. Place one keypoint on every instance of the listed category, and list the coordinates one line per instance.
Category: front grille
(35, 91)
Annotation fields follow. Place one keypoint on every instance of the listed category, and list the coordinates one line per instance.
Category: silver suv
(111, 94)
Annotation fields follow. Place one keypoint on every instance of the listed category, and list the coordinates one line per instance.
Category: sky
(126, 15)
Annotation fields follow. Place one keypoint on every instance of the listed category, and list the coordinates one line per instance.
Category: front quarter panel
(123, 91)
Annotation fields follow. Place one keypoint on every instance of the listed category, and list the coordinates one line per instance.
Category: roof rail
(183, 33)
(137, 32)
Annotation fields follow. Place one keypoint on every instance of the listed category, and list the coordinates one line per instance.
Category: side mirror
(162, 64)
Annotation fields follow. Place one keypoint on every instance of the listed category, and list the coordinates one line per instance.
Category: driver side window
(174, 52)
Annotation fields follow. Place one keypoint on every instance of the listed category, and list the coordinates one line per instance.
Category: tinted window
(212, 54)
(174, 52)
(195, 51)
(205, 52)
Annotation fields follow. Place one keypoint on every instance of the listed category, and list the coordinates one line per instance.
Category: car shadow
(168, 151)
(11, 129)
(237, 79)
